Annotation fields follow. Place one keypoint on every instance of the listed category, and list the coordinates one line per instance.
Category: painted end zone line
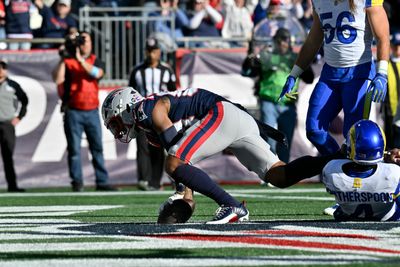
(281, 243)
(166, 192)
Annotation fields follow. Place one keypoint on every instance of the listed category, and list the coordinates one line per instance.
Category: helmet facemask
(118, 115)
(121, 131)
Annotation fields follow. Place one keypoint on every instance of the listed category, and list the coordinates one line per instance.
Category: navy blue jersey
(186, 105)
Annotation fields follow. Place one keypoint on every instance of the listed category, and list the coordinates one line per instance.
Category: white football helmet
(117, 113)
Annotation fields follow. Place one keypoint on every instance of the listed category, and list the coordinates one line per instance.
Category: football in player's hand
(177, 211)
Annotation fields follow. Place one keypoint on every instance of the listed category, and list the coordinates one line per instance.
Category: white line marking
(188, 262)
(166, 192)
(285, 197)
(35, 221)
(76, 208)
(42, 211)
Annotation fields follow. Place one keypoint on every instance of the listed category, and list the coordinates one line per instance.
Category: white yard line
(74, 208)
(43, 211)
(187, 262)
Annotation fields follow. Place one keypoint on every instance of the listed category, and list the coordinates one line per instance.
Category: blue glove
(288, 87)
(378, 87)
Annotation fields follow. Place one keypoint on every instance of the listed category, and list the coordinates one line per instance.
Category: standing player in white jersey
(346, 29)
(364, 187)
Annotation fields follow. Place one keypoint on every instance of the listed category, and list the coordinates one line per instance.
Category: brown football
(179, 211)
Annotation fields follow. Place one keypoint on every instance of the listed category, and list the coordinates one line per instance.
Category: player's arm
(380, 27)
(307, 54)
(311, 45)
(162, 123)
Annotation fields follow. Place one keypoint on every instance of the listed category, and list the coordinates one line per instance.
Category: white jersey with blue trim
(347, 34)
(370, 198)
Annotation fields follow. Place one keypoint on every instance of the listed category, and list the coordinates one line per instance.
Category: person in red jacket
(77, 75)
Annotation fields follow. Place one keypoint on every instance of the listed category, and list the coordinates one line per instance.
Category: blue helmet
(366, 143)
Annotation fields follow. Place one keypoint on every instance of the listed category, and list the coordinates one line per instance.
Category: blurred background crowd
(26, 19)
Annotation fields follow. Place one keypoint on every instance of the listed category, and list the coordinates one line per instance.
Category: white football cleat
(225, 215)
(330, 210)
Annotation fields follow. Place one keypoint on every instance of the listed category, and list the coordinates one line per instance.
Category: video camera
(72, 42)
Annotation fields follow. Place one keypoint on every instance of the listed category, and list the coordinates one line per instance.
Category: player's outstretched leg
(284, 175)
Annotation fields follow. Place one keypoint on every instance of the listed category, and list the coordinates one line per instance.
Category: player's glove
(378, 87)
(287, 88)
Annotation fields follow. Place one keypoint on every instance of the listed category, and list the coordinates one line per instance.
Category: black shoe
(16, 190)
(106, 187)
(77, 187)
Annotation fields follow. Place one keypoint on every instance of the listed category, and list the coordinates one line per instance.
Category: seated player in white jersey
(211, 124)
(364, 187)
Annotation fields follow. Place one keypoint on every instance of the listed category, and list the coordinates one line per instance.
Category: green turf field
(60, 228)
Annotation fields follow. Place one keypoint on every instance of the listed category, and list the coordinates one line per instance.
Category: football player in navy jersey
(194, 124)
(345, 29)
(364, 187)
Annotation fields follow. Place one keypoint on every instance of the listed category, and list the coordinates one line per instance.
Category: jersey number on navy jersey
(346, 34)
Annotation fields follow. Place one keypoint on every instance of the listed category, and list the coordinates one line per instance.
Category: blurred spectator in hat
(18, 22)
(392, 102)
(150, 77)
(57, 22)
(9, 92)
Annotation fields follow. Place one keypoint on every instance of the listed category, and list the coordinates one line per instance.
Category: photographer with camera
(77, 75)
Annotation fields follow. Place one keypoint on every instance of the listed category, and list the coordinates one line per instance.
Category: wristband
(296, 71)
(383, 67)
(94, 72)
(167, 137)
